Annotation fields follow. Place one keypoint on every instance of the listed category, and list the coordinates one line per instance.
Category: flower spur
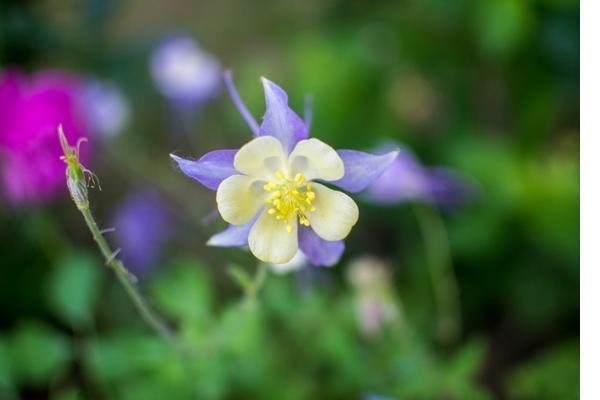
(269, 190)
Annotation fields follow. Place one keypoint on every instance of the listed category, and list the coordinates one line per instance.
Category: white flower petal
(335, 213)
(261, 158)
(316, 160)
(270, 241)
(239, 198)
(297, 262)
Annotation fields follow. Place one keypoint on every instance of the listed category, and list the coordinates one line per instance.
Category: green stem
(443, 279)
(126, 279)
(250, 285)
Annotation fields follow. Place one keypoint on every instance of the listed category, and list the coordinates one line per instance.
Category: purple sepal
(450, 188)
(362, 169)
(320, 252)
(405, 180)
(408, 180)
(239, 104)
(233, 236)
(210, 169)
(279, 120)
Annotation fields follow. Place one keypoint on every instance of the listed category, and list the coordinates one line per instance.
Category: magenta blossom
(271, 191)
(31, 108)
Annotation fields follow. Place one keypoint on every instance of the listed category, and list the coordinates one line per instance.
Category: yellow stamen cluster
(290, 198)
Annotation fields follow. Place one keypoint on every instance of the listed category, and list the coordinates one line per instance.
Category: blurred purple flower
(106, 109)
(31, 108)
(273, 241)
(142, 224)
(377, 397)
(408, 180)
(183, 72)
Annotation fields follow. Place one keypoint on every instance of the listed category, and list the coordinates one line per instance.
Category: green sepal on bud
(77, 182)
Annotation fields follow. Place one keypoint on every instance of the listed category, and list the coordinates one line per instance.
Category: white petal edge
(316, 160)
(270, 241)
(261, 158)
(297, 262)
(239, 198)
(335, 213)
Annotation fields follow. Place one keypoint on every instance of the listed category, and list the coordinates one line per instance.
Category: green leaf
(501, 26)
(70, 393)
(73, 289)
(553, 375)
(6, 376)
(467, 361)
(122, 355)
(38, 353)
(183, 292)
(461, 370)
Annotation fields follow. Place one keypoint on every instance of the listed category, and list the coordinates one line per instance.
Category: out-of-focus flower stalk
(443, 279)
(377, 304)
(250, 285)
(78, 178)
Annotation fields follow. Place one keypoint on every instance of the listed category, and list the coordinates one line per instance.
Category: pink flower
(31, 108)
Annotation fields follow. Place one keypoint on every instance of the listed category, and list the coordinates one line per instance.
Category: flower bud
(78, 190)
(75, 172)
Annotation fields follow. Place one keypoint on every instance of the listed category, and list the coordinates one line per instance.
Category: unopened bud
(78, 191)
(75, 172)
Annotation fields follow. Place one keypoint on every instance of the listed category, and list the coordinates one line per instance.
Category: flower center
(290, 198)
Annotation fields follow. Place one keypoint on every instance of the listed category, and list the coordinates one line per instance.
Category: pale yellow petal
(335, 213)
(261, 158)
(239, 198)
(316, 160)
(270, 241)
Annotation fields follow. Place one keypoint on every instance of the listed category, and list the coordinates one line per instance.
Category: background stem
(443, 279)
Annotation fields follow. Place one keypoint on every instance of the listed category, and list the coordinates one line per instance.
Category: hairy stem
(126, 279)
(78, 180)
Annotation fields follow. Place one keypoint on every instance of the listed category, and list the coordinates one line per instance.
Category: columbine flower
(30, 110)
(183, 72)
(270, 190)
(407, 180)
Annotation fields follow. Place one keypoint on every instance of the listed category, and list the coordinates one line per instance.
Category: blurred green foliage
(490, 88)
(73, 289)
(38, 353)
(537, 378)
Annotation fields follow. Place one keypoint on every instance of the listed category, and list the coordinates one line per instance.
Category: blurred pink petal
(31, 108)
